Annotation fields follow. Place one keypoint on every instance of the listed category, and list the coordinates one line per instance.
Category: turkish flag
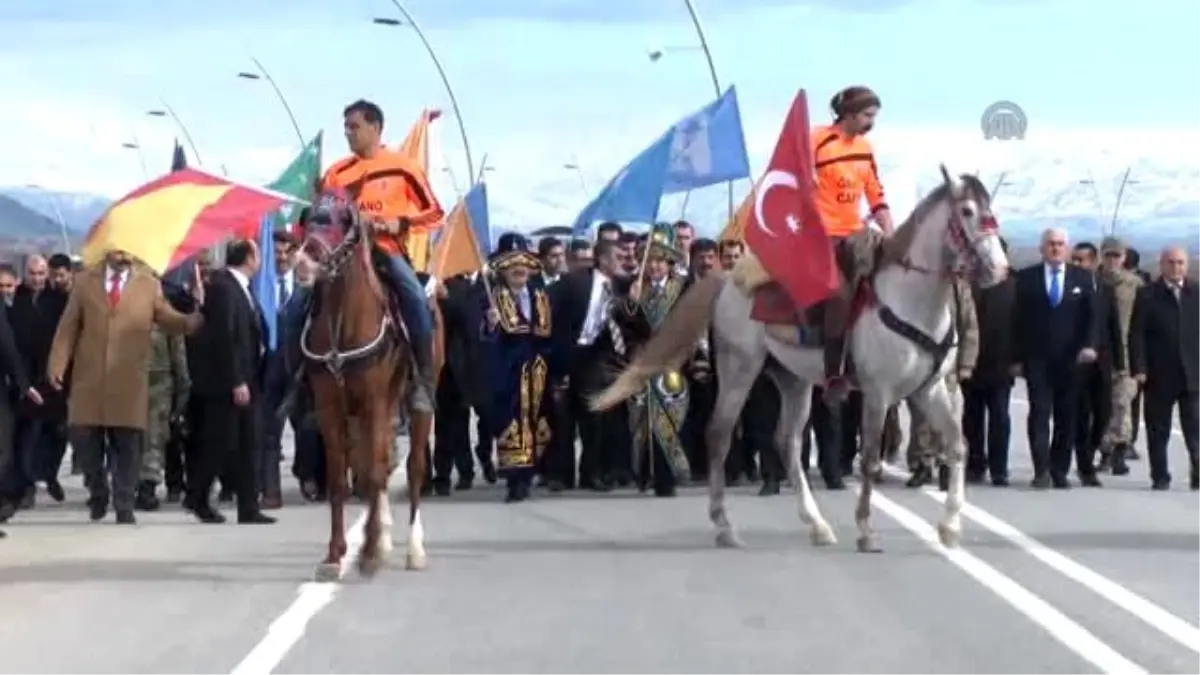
(784, 229)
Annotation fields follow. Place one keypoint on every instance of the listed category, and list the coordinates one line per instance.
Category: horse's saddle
(773, 307)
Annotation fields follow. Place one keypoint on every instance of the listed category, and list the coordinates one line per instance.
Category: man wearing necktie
(104, 338)
(1055, 331)
(276, 380)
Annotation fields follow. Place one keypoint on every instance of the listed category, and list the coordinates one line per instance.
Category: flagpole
(266, 75)
(187, 135)
(712, 71)
(437, 63)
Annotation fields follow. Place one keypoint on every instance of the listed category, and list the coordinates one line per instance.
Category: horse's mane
(896, 248)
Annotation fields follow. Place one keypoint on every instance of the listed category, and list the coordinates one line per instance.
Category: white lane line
(287, 629)
(1069, 633)
(1149, 613)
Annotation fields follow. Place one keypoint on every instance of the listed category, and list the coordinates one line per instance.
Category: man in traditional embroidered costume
(656, 416)
(518, 354)
(847, 174)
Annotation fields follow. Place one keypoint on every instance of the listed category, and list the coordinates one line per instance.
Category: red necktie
(114, 291)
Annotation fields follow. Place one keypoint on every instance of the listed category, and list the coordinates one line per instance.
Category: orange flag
(735, 229)
(457, 249)
(416, 148)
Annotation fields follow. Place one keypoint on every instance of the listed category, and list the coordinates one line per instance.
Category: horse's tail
(674, 340)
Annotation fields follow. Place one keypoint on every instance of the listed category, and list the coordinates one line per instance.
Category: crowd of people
(164, 391)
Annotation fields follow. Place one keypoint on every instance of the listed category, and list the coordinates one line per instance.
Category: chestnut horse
(358, 361)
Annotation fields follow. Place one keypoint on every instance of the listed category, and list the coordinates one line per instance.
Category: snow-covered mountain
(77, 210)
(1063, 178)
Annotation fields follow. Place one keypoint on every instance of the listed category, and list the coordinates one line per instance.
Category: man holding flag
(828, 173)
(394, 193)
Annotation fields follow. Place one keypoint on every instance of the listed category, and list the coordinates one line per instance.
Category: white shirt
(548, 279)
(597, 309)
(121, 278)
(244, 282)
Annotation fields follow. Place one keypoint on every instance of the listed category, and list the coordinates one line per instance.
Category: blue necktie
(283, 293)
(1055, 288)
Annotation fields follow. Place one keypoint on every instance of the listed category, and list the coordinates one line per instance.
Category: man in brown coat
(104, 338)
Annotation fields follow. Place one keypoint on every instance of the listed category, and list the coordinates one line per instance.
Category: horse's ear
(946, 176)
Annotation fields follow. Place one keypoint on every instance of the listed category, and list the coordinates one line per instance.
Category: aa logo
(1004, 121)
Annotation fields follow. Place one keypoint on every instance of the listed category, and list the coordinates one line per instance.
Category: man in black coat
(226, 379)
(986, 423)
(1164, 340)
(1055, 332)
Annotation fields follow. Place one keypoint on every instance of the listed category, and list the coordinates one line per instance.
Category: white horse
(903, 345)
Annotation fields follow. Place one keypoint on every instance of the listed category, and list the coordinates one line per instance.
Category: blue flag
(476, 202)
(265, 283)
(702, 149)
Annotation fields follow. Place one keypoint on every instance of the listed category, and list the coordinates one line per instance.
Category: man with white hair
(1055, 330)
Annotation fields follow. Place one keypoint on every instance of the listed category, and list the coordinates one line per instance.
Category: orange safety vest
(388, 186)
(846, 172)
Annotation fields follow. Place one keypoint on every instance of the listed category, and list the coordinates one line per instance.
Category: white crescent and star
(774, 178)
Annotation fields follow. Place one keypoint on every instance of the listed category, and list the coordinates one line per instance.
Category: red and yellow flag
(457, 249)
(416, 148)
(168, 220)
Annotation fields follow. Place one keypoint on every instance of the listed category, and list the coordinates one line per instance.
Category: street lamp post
(656, 54)
(437, 63)
(266, 75)
(1116, 212)
(58, 215)
(136, 146)
(573, 166)
(168, 111)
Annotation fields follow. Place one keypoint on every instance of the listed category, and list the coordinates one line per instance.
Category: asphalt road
(1103, 580)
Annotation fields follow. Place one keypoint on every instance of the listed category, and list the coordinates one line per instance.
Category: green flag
(298, 180)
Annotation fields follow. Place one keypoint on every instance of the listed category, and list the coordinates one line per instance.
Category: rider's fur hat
(853, 100)
(512, 250)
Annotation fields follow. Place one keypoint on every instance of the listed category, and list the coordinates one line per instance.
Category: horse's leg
(421, 424)
(736, 373)
(795, 398)
(873, 415)
(373, 460)
(938, 407)
(337, 489)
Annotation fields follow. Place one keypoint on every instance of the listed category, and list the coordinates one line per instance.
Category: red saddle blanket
(773, 306)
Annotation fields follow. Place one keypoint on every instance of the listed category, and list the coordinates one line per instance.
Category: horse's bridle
(329, 269)
(960, 242)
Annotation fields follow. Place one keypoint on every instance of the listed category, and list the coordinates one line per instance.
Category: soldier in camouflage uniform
(925, 449)
(168, 387)
(1114, 447)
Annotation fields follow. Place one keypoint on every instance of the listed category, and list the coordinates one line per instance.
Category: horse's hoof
(822, 535)
(868, 545)
(386, 545)
(414, 562)
(727, 539)
(368, 566)
(949, 536)
(327, 572)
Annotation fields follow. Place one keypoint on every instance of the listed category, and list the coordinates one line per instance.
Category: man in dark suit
(288, 300)
(582, 303)
(986, 423)
(1096, 378)
(1164, 339)
(459, 385)
(1055, 331)
(227, 382)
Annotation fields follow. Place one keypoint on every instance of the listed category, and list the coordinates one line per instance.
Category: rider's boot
(837, 385)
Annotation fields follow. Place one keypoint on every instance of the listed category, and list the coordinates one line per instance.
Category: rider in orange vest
(846, 172)
(394, 194)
